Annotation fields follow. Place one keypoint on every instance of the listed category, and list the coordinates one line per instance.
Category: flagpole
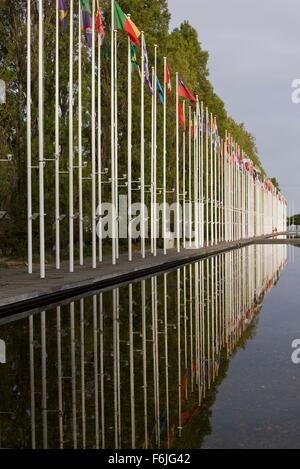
(177, 169)
(29, 150)
(93, 144)
(71, 150)
(215, 182)
(41, 140)
(142, 162)
(80, 189)
(207, 181)
(211, 184)
(129, 149)
(165, 159)
(112, 109)
(155, 153)
(190, 178)
(116, 150)
(196, 213)
(202, 174)
(183, 177)
(57, 147)
(99, 151)
(152, 165)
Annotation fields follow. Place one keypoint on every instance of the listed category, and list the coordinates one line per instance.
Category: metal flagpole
(129, 150)
(211, 184)
(183, 178)
(41, 140)
(93, 143)
(80, 181)
(71, 156)
(202, 174)
(57, 147)
(190, 179)
(142, 162)
(152, 165)
(207, 182)
(112, 110)
(29, 154)
(165, 159)
(155, 154)
(196, 213)
(116, 150)
(100, 242)
(177, 169)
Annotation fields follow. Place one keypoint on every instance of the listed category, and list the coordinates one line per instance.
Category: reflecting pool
(199, 357)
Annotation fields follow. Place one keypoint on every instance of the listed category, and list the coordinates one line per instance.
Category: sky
(254, 48)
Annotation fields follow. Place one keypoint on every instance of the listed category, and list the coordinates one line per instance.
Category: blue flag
(160, 91)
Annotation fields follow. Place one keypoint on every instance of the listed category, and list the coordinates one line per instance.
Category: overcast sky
(254, 48)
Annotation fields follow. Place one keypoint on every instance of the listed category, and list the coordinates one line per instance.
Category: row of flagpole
(225, 201)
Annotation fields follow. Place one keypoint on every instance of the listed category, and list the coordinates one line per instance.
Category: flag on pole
(146, 68)
(124, 23)
(181, 116)
(191, 128)
(87, 25)
(99, 24)
(184, 92)
(135, 65)
(168, 80)
(160, 91)
(63, 13)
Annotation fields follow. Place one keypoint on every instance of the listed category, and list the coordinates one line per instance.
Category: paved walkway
(20, 291)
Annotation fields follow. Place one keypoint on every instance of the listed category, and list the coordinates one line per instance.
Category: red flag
(184, 92)
(99, 25)
(168, 81)
(181, 116)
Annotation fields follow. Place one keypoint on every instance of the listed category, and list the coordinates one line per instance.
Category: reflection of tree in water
(208, 313)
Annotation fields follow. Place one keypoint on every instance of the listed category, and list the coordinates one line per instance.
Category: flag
(99, 24)
(160, 91)
(146, 69)
(124, 23)
(86, 15)
(168, 81)
(184, 92)
(191, 128)
(63, 13)
(135, 65)
(181, 116)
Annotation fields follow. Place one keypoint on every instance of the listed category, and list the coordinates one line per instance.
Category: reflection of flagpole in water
(44, 380)
(197, 331)
(82, 362)
(208, 321)
(131, 364)
(191, 326)
(96, 382)
(179, 351)
(155, 358)
(59, 378)
(166, 354)
(203, 330)
(185, 327)
(144, 337)
(212, 274)
(73, 374)
(32, 388)
(101, 345)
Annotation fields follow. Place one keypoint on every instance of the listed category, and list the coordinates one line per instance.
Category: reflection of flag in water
(183, 387)
(146, 69)
(87, 25)
(63, 13)
(99, 24)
